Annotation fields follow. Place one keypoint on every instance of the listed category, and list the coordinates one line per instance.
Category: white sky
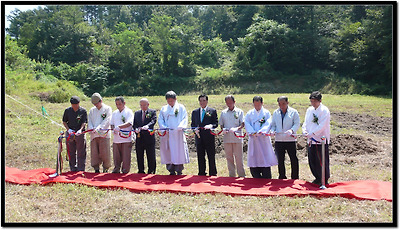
(9, 8)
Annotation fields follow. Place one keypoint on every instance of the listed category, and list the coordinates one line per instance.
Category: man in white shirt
(316, 125)
(285, 123)
(232, 120)
(173, 146)
(99, 120)
(260, 154)
(121, 123)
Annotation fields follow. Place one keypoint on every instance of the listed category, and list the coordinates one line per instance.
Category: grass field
(31, 142)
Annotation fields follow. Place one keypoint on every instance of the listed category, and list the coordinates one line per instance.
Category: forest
(135, 50)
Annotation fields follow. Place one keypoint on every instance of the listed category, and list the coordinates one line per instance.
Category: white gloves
(79, 132)
(208, 126)
(96, 130)
(197, 131)
(225, 130)
(289, 132)
(70, 131)
(232, 130)
(116, 130)
(146, 127)
(272, 133)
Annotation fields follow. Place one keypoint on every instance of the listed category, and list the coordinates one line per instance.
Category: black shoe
(317, 182)
(141, 172)
(97, 170)
(172, 173)
(115, 171)
(178, 173)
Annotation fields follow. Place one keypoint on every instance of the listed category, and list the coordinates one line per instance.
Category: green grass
(31, 142)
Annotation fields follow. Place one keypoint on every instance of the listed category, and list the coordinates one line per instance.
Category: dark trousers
(150, 154)
(315, 161)
(203, 145)
(290, 147)
(175, 169)
(77, 153)
(261, 172)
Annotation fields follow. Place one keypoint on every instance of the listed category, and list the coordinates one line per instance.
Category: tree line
(147, 49)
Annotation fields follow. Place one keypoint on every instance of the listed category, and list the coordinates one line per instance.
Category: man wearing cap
(316, 125)
(74, 120)
(99, 120)
(121, 123)
(145, 119)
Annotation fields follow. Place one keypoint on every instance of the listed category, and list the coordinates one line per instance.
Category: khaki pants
(122, 155)
(100, 153)
(234, 153)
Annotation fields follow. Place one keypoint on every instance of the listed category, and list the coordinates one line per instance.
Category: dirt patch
(365, 122)
(352, 145)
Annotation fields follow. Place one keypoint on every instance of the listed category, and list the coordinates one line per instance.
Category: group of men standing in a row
(174, 152)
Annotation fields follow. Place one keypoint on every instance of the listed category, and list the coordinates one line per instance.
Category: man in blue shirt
(285, 123)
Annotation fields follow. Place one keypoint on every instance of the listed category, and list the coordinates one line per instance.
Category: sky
(9, 8)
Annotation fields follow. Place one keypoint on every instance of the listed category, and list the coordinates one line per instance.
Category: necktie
(143, 115)
(202, 114)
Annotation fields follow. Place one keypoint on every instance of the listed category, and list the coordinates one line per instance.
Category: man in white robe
(316, 125)
(260, 154)
(173, 147)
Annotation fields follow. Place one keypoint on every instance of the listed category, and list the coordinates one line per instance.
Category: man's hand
(146, 127)
(179, 128)
(70, 131)
(116, 130)
(272, 133)
(289, 132)
(232, 130)
(79, 132)
(208, 126)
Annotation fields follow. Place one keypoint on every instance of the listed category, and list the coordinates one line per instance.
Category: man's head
(315, 99)
(230, 102)
(170, 96)
(283, 103)
(97, 100)
(144, 104)
(120, 103)
(257, 102)
(203, 100)
(75, 102)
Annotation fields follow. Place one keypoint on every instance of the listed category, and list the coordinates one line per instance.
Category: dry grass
(31, 143)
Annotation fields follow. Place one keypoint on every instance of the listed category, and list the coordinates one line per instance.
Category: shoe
(178, 173)
(97, 170)
(115, 171)
(141, 172)
(105, 170)
(317, 182)
(172, 173)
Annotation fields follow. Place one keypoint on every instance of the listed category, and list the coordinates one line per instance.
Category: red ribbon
(239, 136)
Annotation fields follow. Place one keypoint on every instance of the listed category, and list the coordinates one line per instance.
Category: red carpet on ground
(363, 190)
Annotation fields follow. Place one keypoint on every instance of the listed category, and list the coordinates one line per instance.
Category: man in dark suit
(205, 118)
(145, 119)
